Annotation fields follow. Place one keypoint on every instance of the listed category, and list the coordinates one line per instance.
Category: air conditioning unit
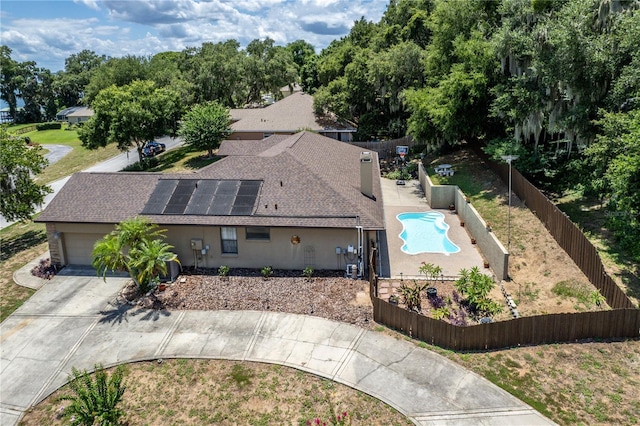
(352, 271)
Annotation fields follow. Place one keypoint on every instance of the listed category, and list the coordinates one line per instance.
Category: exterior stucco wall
(490, 247)
(317, 247)
(442, 196)
(438, 196)
(278, 252)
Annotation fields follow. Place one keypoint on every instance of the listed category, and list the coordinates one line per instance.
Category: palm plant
(94, 402)
(108, 255)
(135, 246)
(133, 231)
(148, 260)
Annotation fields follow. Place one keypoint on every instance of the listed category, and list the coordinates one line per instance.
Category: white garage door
(78, 247)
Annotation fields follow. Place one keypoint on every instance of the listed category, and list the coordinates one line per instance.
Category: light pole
(509, 159)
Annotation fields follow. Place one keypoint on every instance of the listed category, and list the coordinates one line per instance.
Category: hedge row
(49, 126)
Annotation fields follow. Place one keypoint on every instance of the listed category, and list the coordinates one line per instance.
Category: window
(229, 240)
(258, 233)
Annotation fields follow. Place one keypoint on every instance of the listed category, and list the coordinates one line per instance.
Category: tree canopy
(206, 126)
(19, 162)
(131, 115)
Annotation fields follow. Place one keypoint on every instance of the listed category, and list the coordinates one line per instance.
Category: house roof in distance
(81, 112)
(306, 180)
(291, 114)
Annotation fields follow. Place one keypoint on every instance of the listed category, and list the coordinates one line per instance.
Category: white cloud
(146, 27)
(92, 4)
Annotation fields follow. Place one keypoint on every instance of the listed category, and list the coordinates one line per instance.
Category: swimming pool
(425, 232)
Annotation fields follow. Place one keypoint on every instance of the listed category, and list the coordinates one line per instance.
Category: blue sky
(50, 31)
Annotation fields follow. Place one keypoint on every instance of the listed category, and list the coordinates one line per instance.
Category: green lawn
(21, 243)
(179, 160)
(78, 159)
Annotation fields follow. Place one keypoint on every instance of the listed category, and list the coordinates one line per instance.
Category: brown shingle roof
(291, 114)
(313, 180)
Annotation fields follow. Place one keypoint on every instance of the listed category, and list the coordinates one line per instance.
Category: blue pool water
(425, 232)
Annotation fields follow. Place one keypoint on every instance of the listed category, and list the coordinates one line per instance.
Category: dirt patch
(536, 262)
(197, 392)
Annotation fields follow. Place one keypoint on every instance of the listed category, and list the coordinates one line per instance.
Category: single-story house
(74, 115)
(288, 202)
(286, 117)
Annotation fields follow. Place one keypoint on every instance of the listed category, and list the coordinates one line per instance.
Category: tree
(18, 163)
(8, 72)
(130, 116)
(267, 68)
(115, 71)
(135, 247)
(70, 84)
(206, 126)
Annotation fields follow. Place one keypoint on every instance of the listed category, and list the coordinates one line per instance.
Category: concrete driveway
(73, 321)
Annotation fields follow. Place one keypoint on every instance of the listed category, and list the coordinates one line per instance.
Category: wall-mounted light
(56, 235)
(295, 239)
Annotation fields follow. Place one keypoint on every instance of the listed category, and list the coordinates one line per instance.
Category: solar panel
(241, 211)
(227, 187)
(249, 188)
(221, 205)
(160, 196)
(204, 197)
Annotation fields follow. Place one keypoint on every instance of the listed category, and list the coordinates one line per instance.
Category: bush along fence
(566, 233)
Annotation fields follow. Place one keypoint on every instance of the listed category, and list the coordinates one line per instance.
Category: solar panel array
(203, 197)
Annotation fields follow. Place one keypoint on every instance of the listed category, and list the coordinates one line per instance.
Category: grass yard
(197, 392)
(184, 159)
(590, 216)
(20, 243)
(78, 159)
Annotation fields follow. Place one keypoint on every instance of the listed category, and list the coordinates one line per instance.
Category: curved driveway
(73, 321)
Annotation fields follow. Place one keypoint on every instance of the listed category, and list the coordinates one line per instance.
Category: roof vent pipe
(366, 173)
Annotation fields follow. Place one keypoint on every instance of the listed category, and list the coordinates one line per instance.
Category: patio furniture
(444, 170)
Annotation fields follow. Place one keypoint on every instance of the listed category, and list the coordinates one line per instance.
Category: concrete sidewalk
(73, 321)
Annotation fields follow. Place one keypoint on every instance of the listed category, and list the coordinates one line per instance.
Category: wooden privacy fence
(566, 233)
(385, 149)
(535, 330)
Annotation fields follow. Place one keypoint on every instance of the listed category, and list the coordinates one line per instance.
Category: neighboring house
(286, 117)
(75, 115)
(288, 202)
(290, 89)
(80, 115)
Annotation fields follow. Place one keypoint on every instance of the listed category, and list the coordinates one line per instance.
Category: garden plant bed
(327, 294)
(445, 289)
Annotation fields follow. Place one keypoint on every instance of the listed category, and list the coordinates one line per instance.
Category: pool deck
(410, 198)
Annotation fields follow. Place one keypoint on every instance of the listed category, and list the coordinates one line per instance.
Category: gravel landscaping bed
(327, 294)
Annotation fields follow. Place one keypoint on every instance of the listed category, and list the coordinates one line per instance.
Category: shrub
(49, 126)
(266, 272)
(44, 269)
(94, 402)
(307, 272)
(223, 271)
(147, 163)
(411, 295)
(476, 286)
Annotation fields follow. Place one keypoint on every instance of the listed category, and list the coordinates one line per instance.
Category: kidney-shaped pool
(425, 232)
